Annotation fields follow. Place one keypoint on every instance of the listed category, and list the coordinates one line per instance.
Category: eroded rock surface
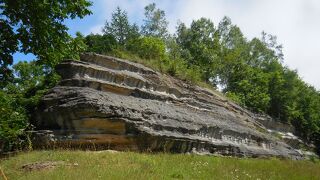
(111, 103)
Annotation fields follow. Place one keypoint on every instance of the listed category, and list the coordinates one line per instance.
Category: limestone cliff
(107, 102)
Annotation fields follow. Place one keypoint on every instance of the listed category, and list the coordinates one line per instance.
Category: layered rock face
(107, 102)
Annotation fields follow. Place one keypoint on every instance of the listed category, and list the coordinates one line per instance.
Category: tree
(149, 48)
(155, 23)
(250, 89)
(230, 35)
(174, 50)
(120, 28)
(233, 54)
(8, 46)
(100, 44)
(271, 42)
(30, 26)
(13, 122)
(17, 102)
(202, 46)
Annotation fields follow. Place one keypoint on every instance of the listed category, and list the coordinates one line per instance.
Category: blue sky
(295, 23)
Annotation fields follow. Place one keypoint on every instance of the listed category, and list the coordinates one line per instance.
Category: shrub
(148, 48)
(13, 122)
(100, 43)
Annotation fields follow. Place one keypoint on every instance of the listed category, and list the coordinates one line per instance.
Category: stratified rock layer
(107, 102)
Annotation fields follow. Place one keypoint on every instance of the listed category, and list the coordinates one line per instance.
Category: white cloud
(97, 29)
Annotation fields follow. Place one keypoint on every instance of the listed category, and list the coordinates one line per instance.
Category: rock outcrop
(105, 102)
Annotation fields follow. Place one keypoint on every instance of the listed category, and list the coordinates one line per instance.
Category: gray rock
(109, 103)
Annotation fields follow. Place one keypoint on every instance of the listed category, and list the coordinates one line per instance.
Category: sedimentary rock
(110, 103)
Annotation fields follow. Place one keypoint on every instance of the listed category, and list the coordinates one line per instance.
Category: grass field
(129, 165)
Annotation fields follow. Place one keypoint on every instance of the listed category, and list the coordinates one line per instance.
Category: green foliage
(120, 28)
(251, 72)
(155, 23)
(76, 46)
(233, 55)
(252, 89)
(100, 43)
(200, 46)
(8, 46)
(235, 97)
(30, 26)
(13, 122)
(36, 27)
(148, 48)
(18, 100)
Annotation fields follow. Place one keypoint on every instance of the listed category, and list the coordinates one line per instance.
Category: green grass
(179, 66)
(129, 165)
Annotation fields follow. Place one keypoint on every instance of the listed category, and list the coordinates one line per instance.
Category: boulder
(104, 102)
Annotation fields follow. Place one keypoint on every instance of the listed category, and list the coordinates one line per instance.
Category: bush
(148, 48)
(100, 43)
(19, 99)
(13, 122)
(235, 97)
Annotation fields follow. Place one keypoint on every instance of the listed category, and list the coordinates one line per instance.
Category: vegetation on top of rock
(106, 102)
(248, 71)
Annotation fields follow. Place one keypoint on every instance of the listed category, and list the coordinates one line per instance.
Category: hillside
(126, 165)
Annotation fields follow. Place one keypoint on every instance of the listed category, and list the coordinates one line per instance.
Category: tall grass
(177, 68)
(129, 165)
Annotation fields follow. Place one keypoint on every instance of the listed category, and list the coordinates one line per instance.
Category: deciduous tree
(155, 23)
(30, 26)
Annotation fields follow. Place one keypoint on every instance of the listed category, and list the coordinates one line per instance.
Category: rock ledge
(109, 103)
